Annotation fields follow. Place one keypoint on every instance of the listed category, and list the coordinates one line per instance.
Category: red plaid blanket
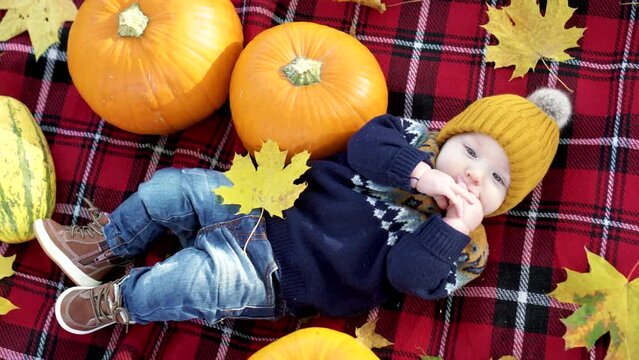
(432, 53)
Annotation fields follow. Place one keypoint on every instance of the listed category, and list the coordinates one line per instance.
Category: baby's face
(481, 163)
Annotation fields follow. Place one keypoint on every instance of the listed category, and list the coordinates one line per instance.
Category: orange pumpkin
(154, 66)
(306, 86)
(315, 343)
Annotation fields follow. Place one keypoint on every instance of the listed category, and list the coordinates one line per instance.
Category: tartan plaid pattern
(432, 54)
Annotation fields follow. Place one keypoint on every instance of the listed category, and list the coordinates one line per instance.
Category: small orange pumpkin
(154, 66)
(315, 343)
(306, 86)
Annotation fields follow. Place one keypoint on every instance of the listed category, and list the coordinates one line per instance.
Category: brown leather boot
(83, 310)
(80, 251)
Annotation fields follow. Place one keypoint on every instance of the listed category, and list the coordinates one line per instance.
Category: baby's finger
(464, 193)
(441, 201)
(455, 200)
(460, 207)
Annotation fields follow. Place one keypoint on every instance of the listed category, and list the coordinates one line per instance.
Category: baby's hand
(443, 188)
(464, 216)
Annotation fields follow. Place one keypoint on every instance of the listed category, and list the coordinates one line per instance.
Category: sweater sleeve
(423, 263)
(383, 150)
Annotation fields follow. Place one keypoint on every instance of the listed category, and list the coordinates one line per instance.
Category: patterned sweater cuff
(403, 164)
(441, 240)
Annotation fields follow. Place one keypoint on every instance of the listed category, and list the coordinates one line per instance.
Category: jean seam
(268, 278)
(180, 307)
(180, 226)
(149, 224)
(138, 233)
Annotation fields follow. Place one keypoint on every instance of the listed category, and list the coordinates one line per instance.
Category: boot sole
(65, 326)
(68, 267)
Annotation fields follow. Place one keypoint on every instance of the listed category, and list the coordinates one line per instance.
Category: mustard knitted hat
(526, 128)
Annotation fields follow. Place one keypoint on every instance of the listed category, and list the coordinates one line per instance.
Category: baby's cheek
(491, 200)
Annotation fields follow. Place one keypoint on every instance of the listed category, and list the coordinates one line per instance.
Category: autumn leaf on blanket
(525, 36)
(270, 186)
(609, 303)
(41, 18)
(367, 336)
(6, 270)
(375, 4)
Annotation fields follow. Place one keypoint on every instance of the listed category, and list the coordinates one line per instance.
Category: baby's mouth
(462, 180)
(470, 187)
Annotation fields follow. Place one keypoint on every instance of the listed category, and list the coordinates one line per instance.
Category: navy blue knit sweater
(346, 246)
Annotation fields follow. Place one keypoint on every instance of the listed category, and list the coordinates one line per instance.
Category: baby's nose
(474, 175)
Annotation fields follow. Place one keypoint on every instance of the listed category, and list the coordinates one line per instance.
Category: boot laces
(91, 229)
(106, 309)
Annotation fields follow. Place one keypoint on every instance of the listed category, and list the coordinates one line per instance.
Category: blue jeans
(211, 278)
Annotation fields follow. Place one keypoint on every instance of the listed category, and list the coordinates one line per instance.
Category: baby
(366, 229)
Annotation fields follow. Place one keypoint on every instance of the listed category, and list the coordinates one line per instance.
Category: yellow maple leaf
(367, 336)
(609, 303)
(41, 18)
(375, 4)
(6, 270)
(525, 36)
(270, 186)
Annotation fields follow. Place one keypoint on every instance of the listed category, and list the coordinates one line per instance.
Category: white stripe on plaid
(355, 19)
(37, 279)
(225, 341)
(222, 327)
(261, 11)
(52, 52)
(373, 315)
(4, 46)
(413, 65)
(155, 158)
(9, 354)
(554, 69)
(46, 80)
(482, 68)
(213, 161)
(533, 298)
(522, 295)
(622, 142)
(529, 239)
(116, 335)
(46, 328)
(87, 170)
(579, 218)
(242, 12)
(615, 142)
(607, 67)
(615, 135)
(40, 106)
(444, 336)
(158, 342)
(290, 12)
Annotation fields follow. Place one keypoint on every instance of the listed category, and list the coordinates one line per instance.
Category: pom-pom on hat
(526, 128)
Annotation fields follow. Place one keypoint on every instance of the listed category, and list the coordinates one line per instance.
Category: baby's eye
(470, 151)
(499, 179)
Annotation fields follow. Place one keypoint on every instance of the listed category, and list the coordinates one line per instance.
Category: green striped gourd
(27, 174)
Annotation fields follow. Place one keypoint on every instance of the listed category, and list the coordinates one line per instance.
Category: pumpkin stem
(132, 21)
(302, 71)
